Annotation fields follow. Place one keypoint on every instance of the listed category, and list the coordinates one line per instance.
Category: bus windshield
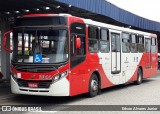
(40, 46)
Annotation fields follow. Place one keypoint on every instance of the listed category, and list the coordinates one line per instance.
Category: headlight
(16, 76)
(60, 76)
(63, 74)
(56, 77)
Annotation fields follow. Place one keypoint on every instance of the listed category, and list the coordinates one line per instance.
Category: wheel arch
(139, 76)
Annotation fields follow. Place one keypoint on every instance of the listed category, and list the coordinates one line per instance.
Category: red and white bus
(64, 55)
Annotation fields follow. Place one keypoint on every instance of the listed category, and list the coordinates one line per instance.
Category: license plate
(33, 85)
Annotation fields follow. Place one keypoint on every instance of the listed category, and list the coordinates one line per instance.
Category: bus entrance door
(147, 56)
(115, 53)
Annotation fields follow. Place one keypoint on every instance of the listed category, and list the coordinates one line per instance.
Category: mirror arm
(5, 42)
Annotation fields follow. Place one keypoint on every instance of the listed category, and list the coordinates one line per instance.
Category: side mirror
(78, 42)
(5, 41)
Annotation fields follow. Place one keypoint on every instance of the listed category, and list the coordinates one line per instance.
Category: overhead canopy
(13, 5)
(105, 8)
(99, 10)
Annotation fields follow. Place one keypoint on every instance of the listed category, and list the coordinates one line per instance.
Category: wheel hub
(94, 85)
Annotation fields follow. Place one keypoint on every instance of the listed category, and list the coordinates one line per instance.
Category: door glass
(77, 56)
(147, 45)
(115, 55)
(113, 44)
(116, 45)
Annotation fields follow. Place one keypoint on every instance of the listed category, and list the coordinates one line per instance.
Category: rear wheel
(93, 86)
(139, 77)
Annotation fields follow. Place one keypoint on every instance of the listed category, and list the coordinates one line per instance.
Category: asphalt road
(148, 93)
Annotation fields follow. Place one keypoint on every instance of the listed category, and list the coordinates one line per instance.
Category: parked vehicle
(72, 55)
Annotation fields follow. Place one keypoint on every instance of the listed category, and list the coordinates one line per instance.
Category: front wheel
(93, 86)
(139, 77)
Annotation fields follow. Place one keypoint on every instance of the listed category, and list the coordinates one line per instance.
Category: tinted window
(104, 41)
(77, 55)
(153, 41)
(148, 45)
(34, 21)
(133, 43)
(125, 43)
(93, 34)
(133, 38)
(153, 46)
(140, 43)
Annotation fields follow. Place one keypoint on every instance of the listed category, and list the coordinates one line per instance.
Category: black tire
(93, 86)
(139, 77)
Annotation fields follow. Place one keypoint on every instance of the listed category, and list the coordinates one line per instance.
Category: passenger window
(125, 43)
(133, 43)
(93, 33)
(147, 44)
(104, 41)
(153, 41)
(153, 45)
(140, 44)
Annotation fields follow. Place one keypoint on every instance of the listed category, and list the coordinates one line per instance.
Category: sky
(149, 9)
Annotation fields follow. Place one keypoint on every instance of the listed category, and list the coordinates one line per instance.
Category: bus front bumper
(59, 88)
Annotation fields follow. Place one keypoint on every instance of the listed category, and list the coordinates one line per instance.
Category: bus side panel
(147, 71)
(134, 77)
(152, 70)
(93, 65)
(76, 80)
(140, 64)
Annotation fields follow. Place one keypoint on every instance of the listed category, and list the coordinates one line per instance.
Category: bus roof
(113, 27)
(95, 23)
